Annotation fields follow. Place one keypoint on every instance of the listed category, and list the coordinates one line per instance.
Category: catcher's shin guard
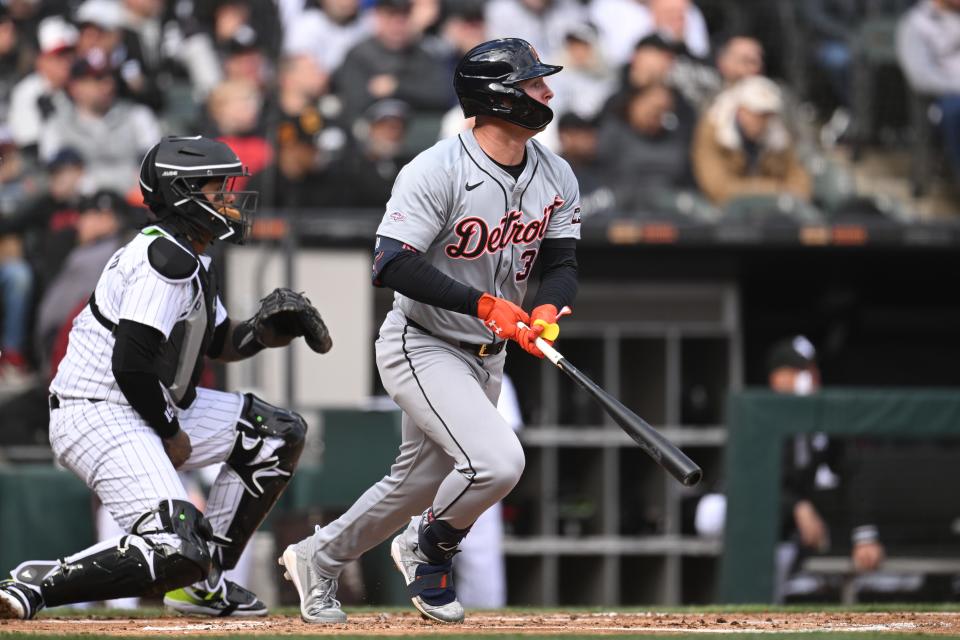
(263, 479)
(166, 549)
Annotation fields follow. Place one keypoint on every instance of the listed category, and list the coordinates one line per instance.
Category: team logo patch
(397, 216)
(576, 219)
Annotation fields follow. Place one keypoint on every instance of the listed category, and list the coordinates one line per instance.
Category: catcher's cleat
(318, 602)
(18, 600)
(228, 599)
(430, 586)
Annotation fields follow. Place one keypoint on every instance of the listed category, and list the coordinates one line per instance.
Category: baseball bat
(663, 452)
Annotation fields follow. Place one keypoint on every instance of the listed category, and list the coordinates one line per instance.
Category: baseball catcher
(126, 412)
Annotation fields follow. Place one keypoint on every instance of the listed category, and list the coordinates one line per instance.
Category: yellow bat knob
(550, 329)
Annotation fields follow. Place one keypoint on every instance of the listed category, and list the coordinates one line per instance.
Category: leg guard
(263, 479)
(438, 541)
(167, 549)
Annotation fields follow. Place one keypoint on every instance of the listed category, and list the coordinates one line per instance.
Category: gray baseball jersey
(473, 222)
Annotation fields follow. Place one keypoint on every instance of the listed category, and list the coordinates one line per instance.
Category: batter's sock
(437, 540)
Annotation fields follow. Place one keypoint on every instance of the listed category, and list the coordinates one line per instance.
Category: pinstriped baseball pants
(112, 449)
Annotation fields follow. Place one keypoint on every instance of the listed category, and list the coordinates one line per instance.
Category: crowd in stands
(325, 100)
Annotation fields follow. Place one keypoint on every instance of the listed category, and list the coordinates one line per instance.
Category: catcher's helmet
(175, 180)
(485, 81)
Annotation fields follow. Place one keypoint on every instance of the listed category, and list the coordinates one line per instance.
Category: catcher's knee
(180, 545)
(262, 422)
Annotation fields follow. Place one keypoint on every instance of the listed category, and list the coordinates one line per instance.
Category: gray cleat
(430, 586)
(318, 603)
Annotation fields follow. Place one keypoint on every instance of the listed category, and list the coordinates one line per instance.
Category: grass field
(890, 622)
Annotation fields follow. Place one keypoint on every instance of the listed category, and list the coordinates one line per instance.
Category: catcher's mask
(486, 82)
(189, 182)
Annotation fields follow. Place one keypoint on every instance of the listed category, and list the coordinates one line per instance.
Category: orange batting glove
(501, 316)
(543, 324)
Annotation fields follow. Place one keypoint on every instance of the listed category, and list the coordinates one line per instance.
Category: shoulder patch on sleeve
(171, 260)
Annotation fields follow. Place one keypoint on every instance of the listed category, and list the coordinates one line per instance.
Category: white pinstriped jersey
(128, 289)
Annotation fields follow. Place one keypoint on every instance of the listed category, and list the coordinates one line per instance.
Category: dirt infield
(395, 624)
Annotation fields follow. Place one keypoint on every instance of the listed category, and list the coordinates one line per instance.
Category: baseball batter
(126, 413)
(466, 222)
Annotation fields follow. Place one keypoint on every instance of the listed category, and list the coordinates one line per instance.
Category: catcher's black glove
(286, 314)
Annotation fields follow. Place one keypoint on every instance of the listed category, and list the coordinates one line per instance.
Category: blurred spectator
(17, 184)
(111, 134)
(587, 81)
(366, 172)
(463, 28)
(16, 278)
(234, 110)
(579, 146)
(235, 18)
(101, 25)
(46, 222)
(542, 23)
(95, 238)
(644, 148)
(16, 60)
(242, 58)
(742, 147)
(326, 33)
(928, 46)
(622, 23)
(300, 177)
(739, 57)
(37, 97)
(656, 61)
(301, 83)
(393, 63)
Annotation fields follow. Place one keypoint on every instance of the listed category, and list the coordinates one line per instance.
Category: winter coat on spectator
(722, 165)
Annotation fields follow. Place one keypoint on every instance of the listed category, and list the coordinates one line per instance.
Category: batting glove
(501, 316)
(543, 325)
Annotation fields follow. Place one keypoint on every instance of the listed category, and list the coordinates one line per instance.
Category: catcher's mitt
(286, 314)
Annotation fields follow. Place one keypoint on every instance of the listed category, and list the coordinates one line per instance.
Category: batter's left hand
(543, 324)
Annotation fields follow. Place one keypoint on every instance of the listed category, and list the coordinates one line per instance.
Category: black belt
(54, 401)
(481, 350)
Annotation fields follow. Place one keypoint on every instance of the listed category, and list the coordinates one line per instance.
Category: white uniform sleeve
(565, 221)
(151, 300)
(418, 206)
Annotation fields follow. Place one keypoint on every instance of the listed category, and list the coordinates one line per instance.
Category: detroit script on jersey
(474, 236)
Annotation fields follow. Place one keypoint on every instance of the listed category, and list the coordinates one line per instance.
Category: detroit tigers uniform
(95, 432)
(469, 218)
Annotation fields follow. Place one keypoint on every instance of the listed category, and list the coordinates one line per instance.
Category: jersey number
(527, 257)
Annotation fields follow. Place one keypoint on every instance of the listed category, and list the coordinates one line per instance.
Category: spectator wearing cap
(463, 27)
(587, 80)
(542, 23)
(300, 176)
(242, 58)
(110, 134)
(16, 59)
(327, 32)
(395, 62)
(17, 184)
(623, 23)
(928, 48)
(101, 28)
(742, 147)
(368, 168)
(37, 97)
(101, 219)
(233, 18)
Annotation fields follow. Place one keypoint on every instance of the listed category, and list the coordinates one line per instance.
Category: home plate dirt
(928, 623)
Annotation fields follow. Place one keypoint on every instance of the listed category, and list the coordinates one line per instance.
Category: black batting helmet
(486, 82)
(188, 182)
